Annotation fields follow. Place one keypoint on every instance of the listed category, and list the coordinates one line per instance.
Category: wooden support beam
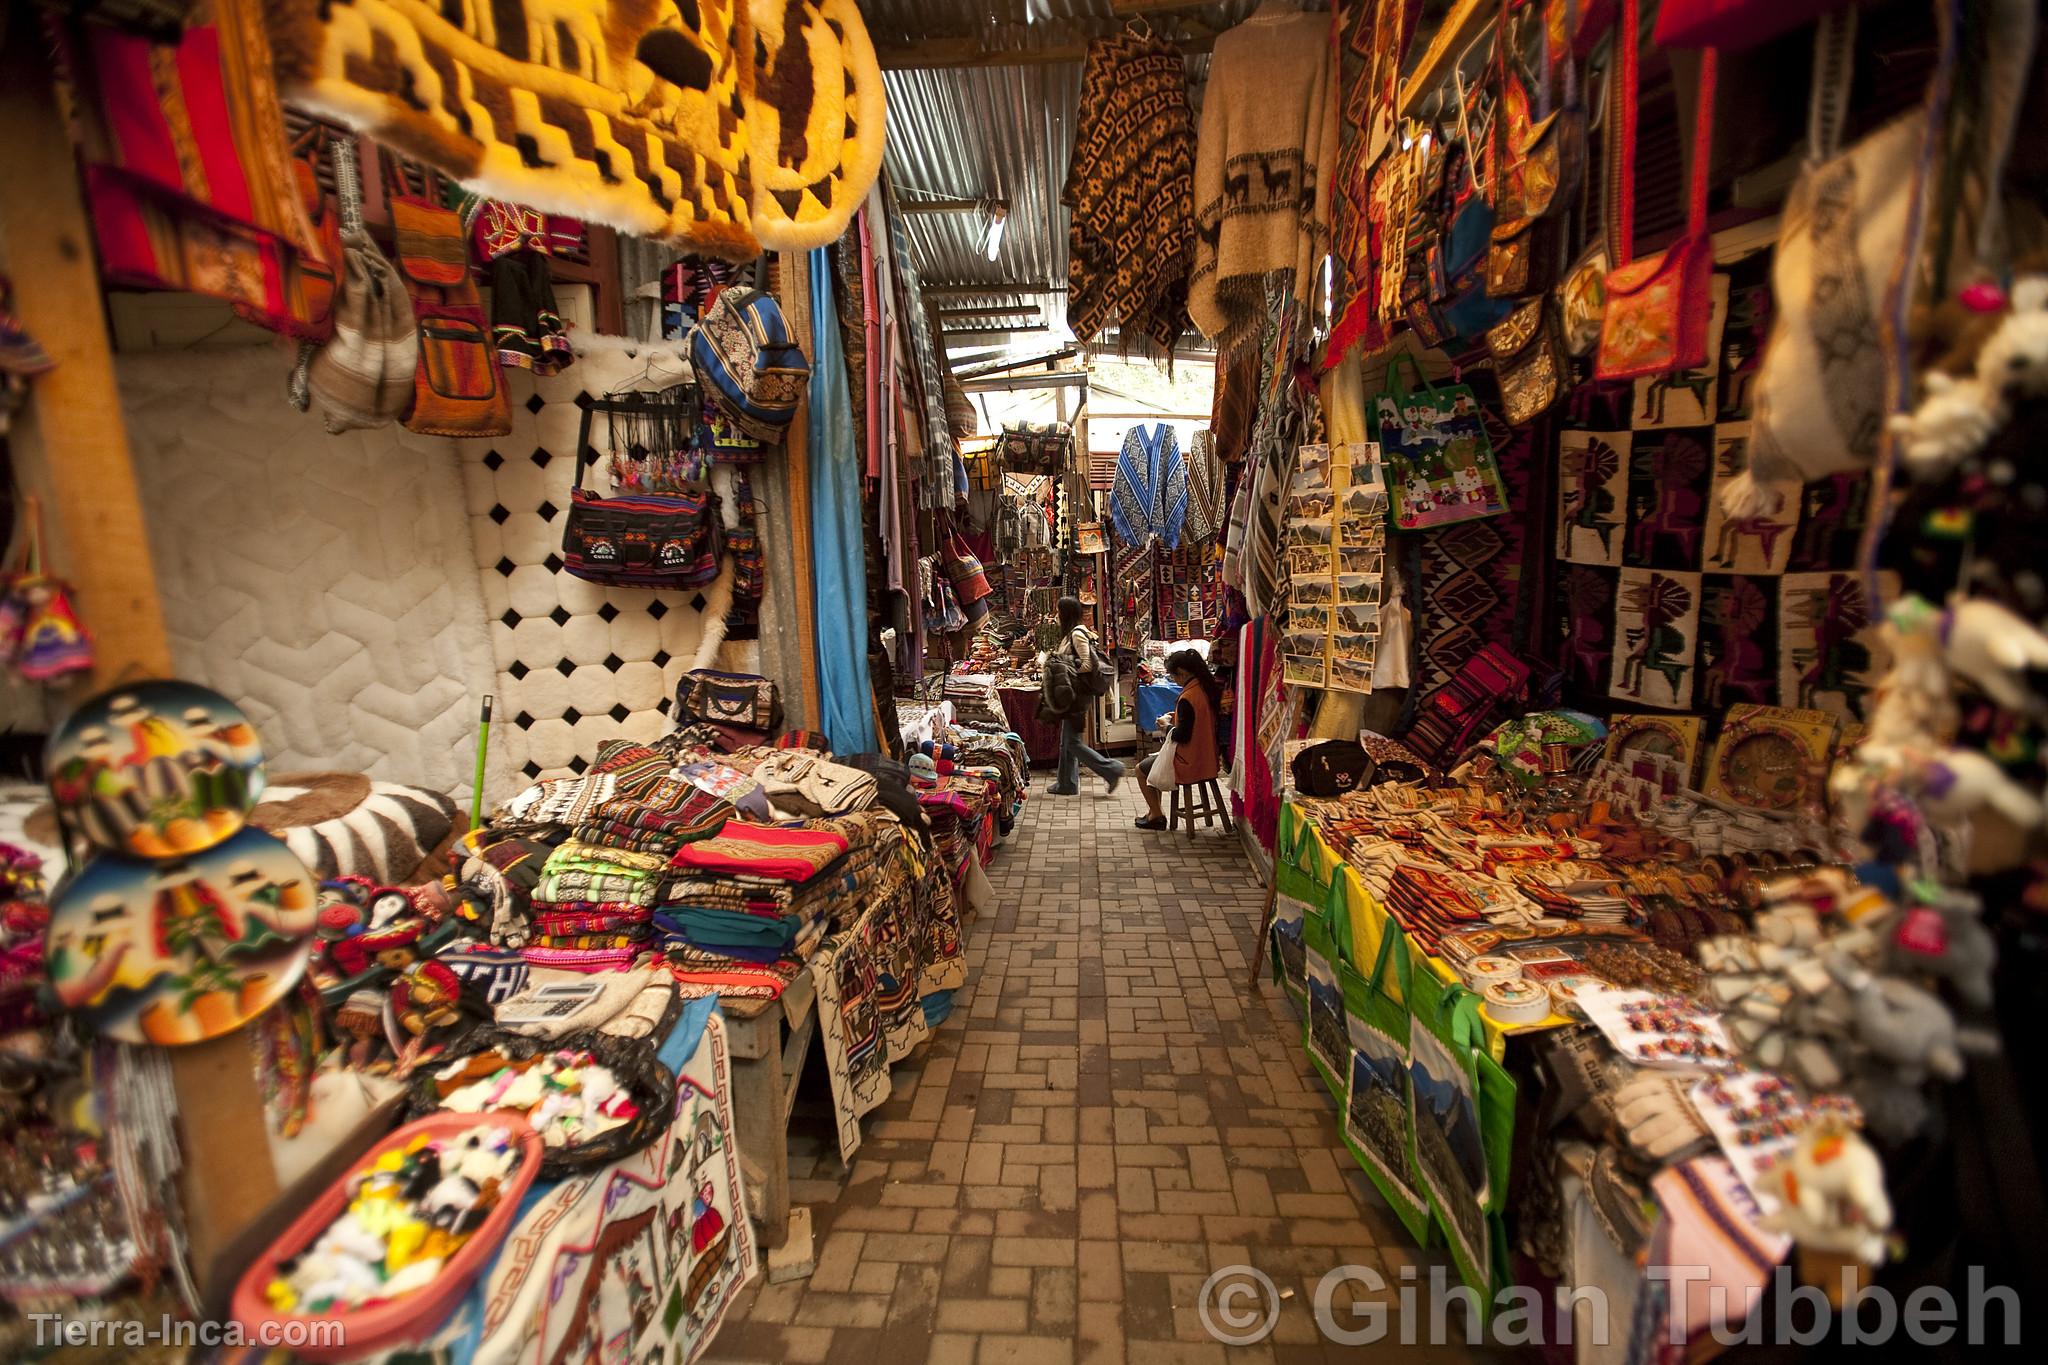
(71, 446)
(908, 206)
(1007, 366)
(1461, 28)
(1015, 383)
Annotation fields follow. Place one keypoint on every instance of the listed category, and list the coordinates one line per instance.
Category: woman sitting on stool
(1189, 753)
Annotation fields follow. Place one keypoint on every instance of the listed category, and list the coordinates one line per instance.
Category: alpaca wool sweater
(1263, 168)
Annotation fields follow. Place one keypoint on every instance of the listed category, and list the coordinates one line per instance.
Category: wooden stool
(1198, 803)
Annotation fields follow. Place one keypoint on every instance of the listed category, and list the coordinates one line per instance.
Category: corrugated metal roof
(1028, 26)
(999, 132)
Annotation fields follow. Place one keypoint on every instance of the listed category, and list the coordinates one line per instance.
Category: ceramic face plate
(182, 950)
(158, 770)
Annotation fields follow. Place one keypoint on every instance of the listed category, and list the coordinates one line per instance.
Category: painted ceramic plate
(182, 950)
(158, 770)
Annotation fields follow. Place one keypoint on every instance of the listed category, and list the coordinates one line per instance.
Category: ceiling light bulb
(998, 219)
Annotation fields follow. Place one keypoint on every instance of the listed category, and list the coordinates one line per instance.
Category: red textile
(743, 848)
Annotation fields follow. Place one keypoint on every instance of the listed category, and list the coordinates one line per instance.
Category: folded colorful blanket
(712, 928)
(573, 884)
(768, 851)
(601, 857)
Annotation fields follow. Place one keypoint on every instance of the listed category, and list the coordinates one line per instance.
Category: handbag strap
(348, 186)
(1834, 68)
(584, 454)
(1621, 132)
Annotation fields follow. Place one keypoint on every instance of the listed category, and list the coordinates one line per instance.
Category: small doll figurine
(427, 995)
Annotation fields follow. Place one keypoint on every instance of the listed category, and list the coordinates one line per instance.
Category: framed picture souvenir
(1771, 758)
(156, 769)
(1675, 737)
(185, 949)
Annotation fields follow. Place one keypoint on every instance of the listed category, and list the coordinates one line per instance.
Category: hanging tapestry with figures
(638, 1260)
(871, 979)
(1668, 602)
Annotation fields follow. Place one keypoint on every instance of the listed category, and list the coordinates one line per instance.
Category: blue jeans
(1074, 751)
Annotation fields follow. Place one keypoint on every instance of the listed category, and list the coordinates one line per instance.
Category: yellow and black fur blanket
(725, 125)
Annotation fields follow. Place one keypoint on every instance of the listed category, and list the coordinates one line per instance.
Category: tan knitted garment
(1264, 162)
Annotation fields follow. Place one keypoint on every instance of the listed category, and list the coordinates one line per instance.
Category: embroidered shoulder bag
(1538, 164)
(457, 389)
(1657, 307)
(647, 540)
(1528, 355)
(745, 700)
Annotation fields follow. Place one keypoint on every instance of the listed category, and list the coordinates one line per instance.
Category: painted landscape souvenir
(184, 950)
(159, 769)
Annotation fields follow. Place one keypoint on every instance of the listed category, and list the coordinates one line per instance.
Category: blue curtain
(839, 578)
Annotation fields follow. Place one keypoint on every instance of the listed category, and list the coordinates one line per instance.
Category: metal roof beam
(1028, 310)
(995, 290)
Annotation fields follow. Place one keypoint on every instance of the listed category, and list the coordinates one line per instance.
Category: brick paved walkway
(1107, 1117)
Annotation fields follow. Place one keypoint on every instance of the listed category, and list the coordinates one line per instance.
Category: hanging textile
(1130, 499)
(933, 464)
(1129, 192)
(189, 174)
(1205, 489)
(1263, 167)
(646, 117)
(1371, 44)
(1189, 598)
(838, 578)
(1150, 496)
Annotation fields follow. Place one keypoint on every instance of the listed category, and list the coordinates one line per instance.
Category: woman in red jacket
(1190, 752)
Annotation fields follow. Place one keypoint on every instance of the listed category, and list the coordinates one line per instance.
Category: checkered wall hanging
(578, 663)
(1670, 604)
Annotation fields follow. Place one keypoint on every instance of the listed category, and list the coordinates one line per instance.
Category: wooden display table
(769, 1040)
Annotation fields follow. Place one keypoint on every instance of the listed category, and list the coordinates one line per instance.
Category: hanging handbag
(457, 389)
(744, 700)
(1437, 457)
(1819, 391)
(1529, 358)
(363, 376)
(1088, 539)
(1540, 164)
(647, 540)
(744, 355)
(1658, 307)
(1458, 303)
(964, 571)
(1582, 301)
